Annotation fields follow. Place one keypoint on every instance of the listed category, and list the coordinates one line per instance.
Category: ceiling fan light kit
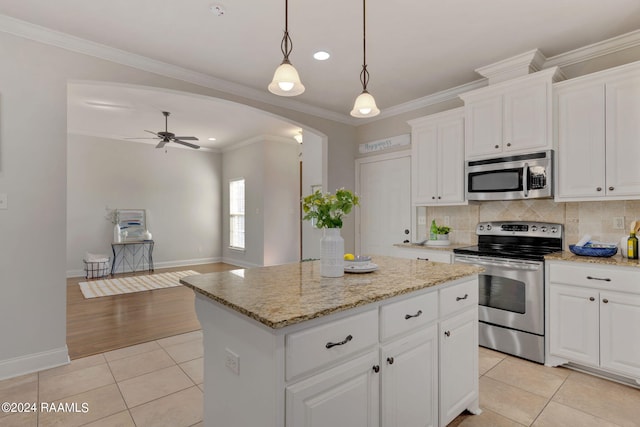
(286, 81)
(365, 104)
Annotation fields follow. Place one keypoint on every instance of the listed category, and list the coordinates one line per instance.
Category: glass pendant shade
(365, 106)
(286, 81)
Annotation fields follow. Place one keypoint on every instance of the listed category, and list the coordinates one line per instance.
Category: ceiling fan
(166, 136)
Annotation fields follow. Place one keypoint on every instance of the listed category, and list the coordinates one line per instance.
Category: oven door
(511, 292)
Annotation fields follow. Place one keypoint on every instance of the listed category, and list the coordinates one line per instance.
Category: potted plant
(439, 232)
(326, 211)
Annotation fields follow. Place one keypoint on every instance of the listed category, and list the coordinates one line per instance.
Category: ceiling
(414, 47)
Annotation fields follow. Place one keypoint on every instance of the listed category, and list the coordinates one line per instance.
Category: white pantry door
(384, 186)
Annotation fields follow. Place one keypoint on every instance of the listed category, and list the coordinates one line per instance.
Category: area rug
(127, 285)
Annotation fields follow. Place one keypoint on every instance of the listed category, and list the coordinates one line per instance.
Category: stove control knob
(481, 227)
(488, 227)
(554, 229)
(543, 229)
(534, 228)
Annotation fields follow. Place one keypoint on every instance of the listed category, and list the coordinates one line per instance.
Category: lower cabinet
(594, 313)
(410, 380)
(435, 255)
(422, 372)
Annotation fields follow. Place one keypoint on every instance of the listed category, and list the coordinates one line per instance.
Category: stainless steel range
(511, 297)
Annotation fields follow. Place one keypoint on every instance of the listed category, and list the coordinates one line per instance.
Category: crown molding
(595, 50)
(510, 68)
(65, 41)
(75, 44)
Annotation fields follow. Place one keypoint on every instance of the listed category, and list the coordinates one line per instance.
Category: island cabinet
(597, 132)
(511, 117)
(594, 313)
(423, 253)
(437, 159)
(405, 355)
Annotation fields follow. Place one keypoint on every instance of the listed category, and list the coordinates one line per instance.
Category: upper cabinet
(597, 127)
(437, 159)
(511, 117)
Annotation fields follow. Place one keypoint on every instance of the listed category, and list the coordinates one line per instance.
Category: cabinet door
(424, 162)
(619, 333)
(526, 119)
(574, 324)
(580, 128)
(347, 395)
(483, 127)
(410, 381)
(623, 136)
(450, 165)
(458, 364)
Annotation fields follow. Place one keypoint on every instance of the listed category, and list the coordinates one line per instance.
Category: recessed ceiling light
(211, 139)
(321, 55)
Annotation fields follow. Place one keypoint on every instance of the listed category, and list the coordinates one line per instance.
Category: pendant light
(365, 105)
(286, 81)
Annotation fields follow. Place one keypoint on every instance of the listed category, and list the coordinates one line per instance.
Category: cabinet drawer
(425, 254)
(596, 276)
(403, 316)
(458, 297)
(324, 344)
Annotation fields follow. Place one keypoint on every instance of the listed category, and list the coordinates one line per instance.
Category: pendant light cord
(286, 46)
(364, 74)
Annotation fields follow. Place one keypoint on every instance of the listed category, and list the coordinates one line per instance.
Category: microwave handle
(525, 179)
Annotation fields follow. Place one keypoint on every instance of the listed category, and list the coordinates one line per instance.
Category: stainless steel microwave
(526, 176)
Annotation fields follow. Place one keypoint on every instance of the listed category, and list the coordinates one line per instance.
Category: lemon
(349, 257)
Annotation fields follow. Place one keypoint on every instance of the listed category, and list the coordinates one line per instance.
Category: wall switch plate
(3, 201)
(447, 220)
(618, 223)
(232, 361)
(422, 220)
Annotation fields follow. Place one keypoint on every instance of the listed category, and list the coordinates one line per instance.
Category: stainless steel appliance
(525, 176)
(511, 297)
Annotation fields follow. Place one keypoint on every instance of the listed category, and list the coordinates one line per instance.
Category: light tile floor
(160, 384)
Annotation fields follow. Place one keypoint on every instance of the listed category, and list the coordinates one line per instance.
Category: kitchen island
(287, 347)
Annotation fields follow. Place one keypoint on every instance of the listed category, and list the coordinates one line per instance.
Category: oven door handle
(525, 179)
(516, 265)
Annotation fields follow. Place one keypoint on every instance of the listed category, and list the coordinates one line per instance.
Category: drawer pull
(447, 333)
(376, 368)
(390, 360)
(461, 298)
(409, 316)
(422, 259)
(343, 342)
(599, 278)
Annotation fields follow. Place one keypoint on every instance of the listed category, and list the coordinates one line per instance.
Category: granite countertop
(284, 295)
(616, 260)
(437, 248)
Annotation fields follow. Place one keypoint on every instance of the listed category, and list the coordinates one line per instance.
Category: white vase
(116, 234)
(331, 253)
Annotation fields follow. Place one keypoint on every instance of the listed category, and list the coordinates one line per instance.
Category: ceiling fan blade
(139, 138)
(161, 143)
(187, 138)
(188, 144)
(153, 133)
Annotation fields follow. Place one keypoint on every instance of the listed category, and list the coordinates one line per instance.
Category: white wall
(270, 169)
(179, 188)
(312, 152)
(33, 153)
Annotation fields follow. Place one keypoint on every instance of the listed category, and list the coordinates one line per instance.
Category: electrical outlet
(232, 361)
(422, 220)
(446, 220)
(618, 223)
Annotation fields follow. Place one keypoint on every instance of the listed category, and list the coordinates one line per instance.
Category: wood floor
(107, 323)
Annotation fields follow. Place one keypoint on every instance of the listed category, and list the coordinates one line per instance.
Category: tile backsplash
(579, 218)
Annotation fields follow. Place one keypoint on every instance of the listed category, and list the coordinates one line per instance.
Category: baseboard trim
(158, 265)
(35, 362)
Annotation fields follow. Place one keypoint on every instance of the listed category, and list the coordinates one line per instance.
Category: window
(236, 213)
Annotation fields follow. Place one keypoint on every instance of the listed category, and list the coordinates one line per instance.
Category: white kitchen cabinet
(423, 253)
(594, 311)
(347, 395)
(597, 131)
(437, 159)
(511, 117)
(409, 380)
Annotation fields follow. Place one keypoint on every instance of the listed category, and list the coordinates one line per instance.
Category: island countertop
(284, 295)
